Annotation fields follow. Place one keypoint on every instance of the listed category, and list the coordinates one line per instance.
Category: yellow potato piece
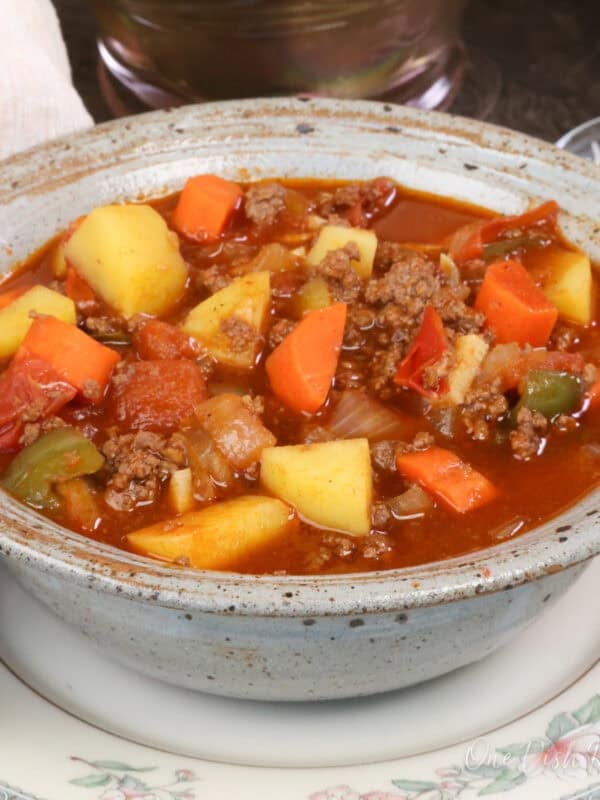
(57, 259)
(313, 295)
(247, 299)
(329, 483)
(219, 536)
(334, 237)
(130, 258)
(469, 352)
(15, 318)
(566, 278)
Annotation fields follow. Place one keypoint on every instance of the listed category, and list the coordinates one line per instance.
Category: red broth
(535, 448)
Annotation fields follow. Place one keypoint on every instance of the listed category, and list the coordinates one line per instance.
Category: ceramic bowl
(294, 638)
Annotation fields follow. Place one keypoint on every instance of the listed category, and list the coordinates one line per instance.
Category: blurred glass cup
(167, 52)
(584, 140)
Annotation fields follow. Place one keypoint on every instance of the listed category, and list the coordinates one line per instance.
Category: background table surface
(547, 53)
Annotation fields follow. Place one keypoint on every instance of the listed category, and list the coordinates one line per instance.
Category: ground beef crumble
(213, 278)
(565, 423)
(400, 297)
(421, 441)
(412, 283)
(255, 404)
(388, 253)
(563, 337)
(382, 368)
(105, 326)
(137, 464)
(527, 437)
(345, 285)
(242, 336)
(359, 319)
(33, 430)
(279, 330)
(91, 390)
(350, 374)
(433, 375)
(264, 203)
(484, 406)
(333, 545)
(383, 455)
(367, 197)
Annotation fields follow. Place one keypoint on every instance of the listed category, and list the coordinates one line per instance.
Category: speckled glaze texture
(294, 638)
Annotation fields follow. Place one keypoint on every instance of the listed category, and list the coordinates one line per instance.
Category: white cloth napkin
(37, 98)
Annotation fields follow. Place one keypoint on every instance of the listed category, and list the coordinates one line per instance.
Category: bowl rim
(569, 539)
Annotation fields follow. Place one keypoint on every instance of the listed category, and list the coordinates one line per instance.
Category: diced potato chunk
(130, 259)
(58, 261)
(181, 490)
(334, 237)
(238, 432)
(313, 295)
(219, 536)
(566, 278)
(246, 299)
(15, 318)
(469, 351)
(329, 483)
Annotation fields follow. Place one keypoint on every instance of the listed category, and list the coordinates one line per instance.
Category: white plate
(551, 753)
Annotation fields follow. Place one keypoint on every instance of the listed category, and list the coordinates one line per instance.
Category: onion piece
(209, 467)
(359, 415)
(413, 503)
(449, 269)
(272, 257)
(500, 358)
(444, 419)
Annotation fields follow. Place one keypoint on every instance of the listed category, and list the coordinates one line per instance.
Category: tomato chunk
(158, 394)
(428, 348)
(157, 340)
(30, 391)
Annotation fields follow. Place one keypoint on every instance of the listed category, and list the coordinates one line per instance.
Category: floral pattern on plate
(570, 747)
(119, 781)
(12, 793)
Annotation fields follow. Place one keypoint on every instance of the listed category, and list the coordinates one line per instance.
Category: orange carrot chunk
(75, 357)
(515, 308)
(443, 474)
(205, 206)
(301, 369)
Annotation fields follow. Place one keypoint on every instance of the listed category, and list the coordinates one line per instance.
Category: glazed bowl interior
(41, 191)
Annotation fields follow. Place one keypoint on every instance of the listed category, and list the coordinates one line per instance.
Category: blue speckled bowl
(308, 637)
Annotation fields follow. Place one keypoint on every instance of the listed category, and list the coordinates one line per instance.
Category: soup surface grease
(301, 377)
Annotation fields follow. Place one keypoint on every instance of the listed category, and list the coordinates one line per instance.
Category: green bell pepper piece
(56, 456)
(550, 393)
(507, 246)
